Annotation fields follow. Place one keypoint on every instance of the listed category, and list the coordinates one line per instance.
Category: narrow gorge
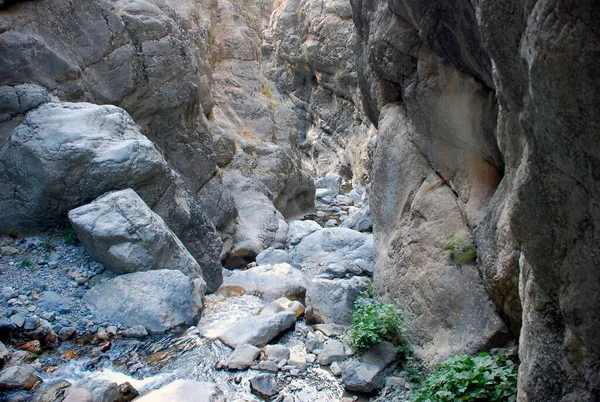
(299, 200)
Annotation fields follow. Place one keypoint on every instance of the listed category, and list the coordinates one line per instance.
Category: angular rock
(66, 333)
(67, 154)
(298, 230)
(137, 331)
(159, 300)
(334, 245)
(258, 330)
(274, 281)
(4, 355)
(334, 351)
(380, 355)
(277, 352)
(332, 182)
(52, 301)
(332, 300)
(272, 256)
(267, 365)
(330, 329)
(18, 377)
(242, 357)
(362, 377)
(361, 220)
(283, 304)
(264, 384)
(82, 395)
(119, 230)
(96, 390)
(54, 393)
(184, 391)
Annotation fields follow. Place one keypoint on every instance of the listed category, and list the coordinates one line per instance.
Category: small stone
(111, 330)
(66, 333)
(102, 335)
(8, 250)
(69, 354)
(18, 320)
(137, 331)
(105, 346)
(9, 293)
(335, 369)
(127, 392)
(31, 323)
(33, 347)
(243, 357)
(294, 372)
(277, 352)
(395, 381)
(298, 362)
(331, 223)
(31, 309)
(330, 329)
(267, 365)
(311, 358)
(264, 384)
(334, 351)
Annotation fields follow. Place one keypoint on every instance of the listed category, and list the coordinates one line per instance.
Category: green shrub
(374, 322)
(461, 250)
(467, 378)
(69, 236)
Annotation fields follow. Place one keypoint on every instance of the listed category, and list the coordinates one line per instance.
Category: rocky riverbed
(274, 330)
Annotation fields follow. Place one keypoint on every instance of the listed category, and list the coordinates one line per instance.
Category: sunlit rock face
(488, 137)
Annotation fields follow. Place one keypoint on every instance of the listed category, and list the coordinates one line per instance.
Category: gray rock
(66, 333)
(272, 256)
(159, 300)
(184, 391)
(332, 300)
(314, 342)
(277, 352)
(362, 377)
(4, 355)
(361, 220)
(298, 230)
(96, 390)
(55, 393)
(334, 351)
(18, 377)
(264, 384)
(336, 369)
(9, 293)
(332, 182)
(331, 223)
(18, 319)
(121, 231)
(334, 245)
(274, 281)
(380, 355)
(258, 330)
(242, 357)
(137, 331)
(52, 301)
(267, 365)
(101, 149)
(31, 323)
(330, 329)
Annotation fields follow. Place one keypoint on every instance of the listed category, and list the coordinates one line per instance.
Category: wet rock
(277, 352)
(362, 377)
(4, 355)
(283, 304)
(298, 230)
(119, 230)
(264, 384)
(258, 330)
(332, 300)
(159, 300)
(184, 391)
(273, 256)
(31, 323)
(334, 245)
(242, 357)
(334, 351)
(274, 281)
(18, 377)
(127, 393)
(33, 347)
(137, 331)
(53, 394)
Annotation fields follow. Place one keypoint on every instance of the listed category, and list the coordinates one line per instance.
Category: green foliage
(267, 92)
(69, 236)
(49, 244)
(380, 107)
(467, 378)
(461, 250)
(26, 263)
(374, 322)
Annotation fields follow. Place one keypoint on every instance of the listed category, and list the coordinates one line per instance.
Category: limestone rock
(242, 357)
(159, 300)
(258, 330)
(184, 391)
(264, 384)
(274, 281)
(277, 352)
(332, 300)
(119, 230)
(80, 395)
(333, 351)
(298, 230)
(18, 377)
(272, 256)
(362, 377)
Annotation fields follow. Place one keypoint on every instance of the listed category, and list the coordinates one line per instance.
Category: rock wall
(488, 144)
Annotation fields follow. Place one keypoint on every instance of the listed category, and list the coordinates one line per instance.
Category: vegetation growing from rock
(464, 377)
(461, 250)
(374, 322)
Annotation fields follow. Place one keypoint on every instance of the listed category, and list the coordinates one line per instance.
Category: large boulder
(332, 300)
(158, 300)
(273, 281)
(121, 231)
(93, 389)
(64, 155)
(260, 224)
(18, 377)
(184, 391)
(258, 330)
(298, 230)
(340, 246)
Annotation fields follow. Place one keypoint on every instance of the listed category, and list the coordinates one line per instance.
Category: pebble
(66, 333)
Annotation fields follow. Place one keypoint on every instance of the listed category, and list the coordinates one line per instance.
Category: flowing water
(193, 354)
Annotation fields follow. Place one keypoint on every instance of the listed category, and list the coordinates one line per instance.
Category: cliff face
(488, 137)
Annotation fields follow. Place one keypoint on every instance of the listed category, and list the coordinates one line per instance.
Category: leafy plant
(69, 236)
(26, 263)
(374, 322)
(467, 378)
(48, 244)
(266, 91)
(461, 250)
